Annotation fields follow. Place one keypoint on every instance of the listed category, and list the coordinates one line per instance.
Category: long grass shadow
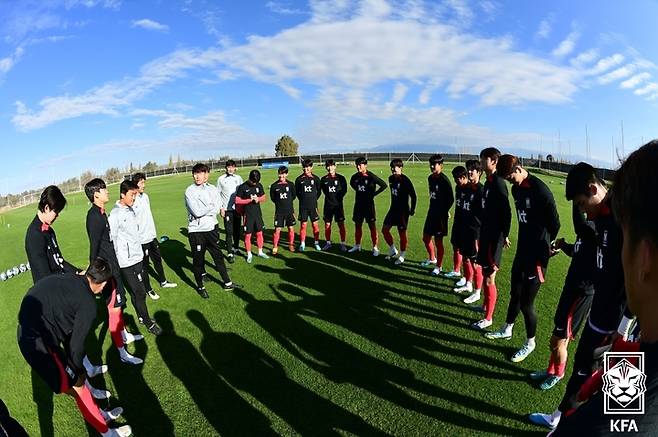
(248, 368)
(226, 411)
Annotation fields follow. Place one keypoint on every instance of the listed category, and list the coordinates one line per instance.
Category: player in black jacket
(307, 188)
(608, 318)
(576, 298)
(249, 196)
(539, 224)
(365, 183)
(497, 218)
(282, 193)
(436, 222)
(402, 190)
(54, 320)
(460, 176)
(100, 246)
(633, 208)
(334, 188)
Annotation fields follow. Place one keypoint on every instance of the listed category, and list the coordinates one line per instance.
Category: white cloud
(8, 62)
(489, 7)
(567, 45)
(648, 88)
(283, 8)
(585, 58)
(149, 24)
(607, 63)
(545, 27)
(617, 74)
(636, 80)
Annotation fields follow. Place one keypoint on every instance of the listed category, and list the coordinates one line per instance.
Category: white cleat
(92, 370)
(167, 284)
(472, 298)
(461, 282)
(428, 263)
(343, 248)
(262, 255)
(129, 338)
(327, 246)
(452, 274)
(112, 414)
(250, 257)
(355, 248)
(153, 295)
(481, 324)
(97, 393)
(129, 359)
(436, 271)
(399, 261)
(466, 288)
(122, 431)
(546, 420)
(522, 353)
(375, 251)
(392, 253)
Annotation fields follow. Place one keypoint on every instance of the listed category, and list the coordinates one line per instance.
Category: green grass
(314, 343)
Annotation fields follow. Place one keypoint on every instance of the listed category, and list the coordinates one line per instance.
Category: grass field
(314, 343)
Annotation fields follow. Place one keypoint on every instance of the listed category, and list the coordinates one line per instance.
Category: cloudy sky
(89, 84)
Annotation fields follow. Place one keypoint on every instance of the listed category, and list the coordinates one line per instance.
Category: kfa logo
(308, 189)
(332, 189)
(523, 216)
(624, 385)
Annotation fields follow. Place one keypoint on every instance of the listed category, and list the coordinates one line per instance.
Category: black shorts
(399, 219)
(530, 274)
(252, 223)
(333, 212)
(48, 361)
(490, 252)
(571, 312)
(284, 220)
(308, 214)
(364, 212)
(466, 242)
(436, 225)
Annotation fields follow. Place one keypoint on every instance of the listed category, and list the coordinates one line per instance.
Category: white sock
(318, 243)
(260, 251)
(477, 292)
(342, 242)
(507, 329)
(392, 247)
(122, 351)
(229, 283)
(469, 284)
(555, 417)
(87, 364)
(531, 342)
(403, 253)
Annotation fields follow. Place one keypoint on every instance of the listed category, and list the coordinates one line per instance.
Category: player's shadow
(42, 396)
(142, 408)
(175, 255)
(248, 368)
(226, 411)
(341, 362)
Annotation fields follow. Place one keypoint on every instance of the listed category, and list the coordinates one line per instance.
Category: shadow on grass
(248, 368)
(226, 411)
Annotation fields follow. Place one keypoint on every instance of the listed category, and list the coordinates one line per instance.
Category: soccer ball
(22, 268)
(9, 273)
(3, 277)
(15, 271)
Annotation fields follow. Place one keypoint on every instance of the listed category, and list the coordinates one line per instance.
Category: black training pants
(152, 252)
(199, 242)
(232, 224)
(522, 299)
(134, 280)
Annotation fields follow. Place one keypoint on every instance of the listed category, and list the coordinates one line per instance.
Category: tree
(286, 146)
(150, 167)
(113, 174)
(86, 177)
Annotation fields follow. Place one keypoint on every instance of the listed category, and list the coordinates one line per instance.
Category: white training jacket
(227, 186)
(125, 235)
(145, 221)
(202, 203)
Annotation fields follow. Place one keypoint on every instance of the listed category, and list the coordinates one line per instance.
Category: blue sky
(90, 84)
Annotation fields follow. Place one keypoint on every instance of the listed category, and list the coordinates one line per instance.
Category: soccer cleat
(97, 393)
(122, 431)
(466, 288)
(375, 251)
(327, 246)
(436, 271)
(542, 419)
(522, 353)
(472, 298)
(481, 324)
(153, 295)
(250, 257)
(343, 248)
(228, 286)
(355, 248)
(399, 261)
(91, 369)
(275, 250)
(167, 284)
(129, 338)
(550, 382)
(538, 375)
(231, 258)
(461, 282)
(452, 274)
(317, 247)
(392, 253)
(129, 359)
(428, 262)
(155, 329)
(498, 335)
(302, 247)
(202, 292)
(204, 277)
(262, 255)
(112, 414)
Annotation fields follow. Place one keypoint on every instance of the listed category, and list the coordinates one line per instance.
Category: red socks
(440, 251)
(373, 235)
(490, 296)
(427, 240)
(479, 278)
(247, 242)
(388, 237)
(343, 232)
(404, 241)
(259, 240)
(115, 320)
(316, 231)
(327, 231)
(468, 271)
(276, 237)
(291, 237)
(302, 233)
(90, 410)
(456, 259)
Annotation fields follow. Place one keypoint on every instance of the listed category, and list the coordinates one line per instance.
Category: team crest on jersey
(287, 189)
(312, 182)
(335, 182)
(436, 188)
(257, 190)
(527, 203)
(605, 239)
